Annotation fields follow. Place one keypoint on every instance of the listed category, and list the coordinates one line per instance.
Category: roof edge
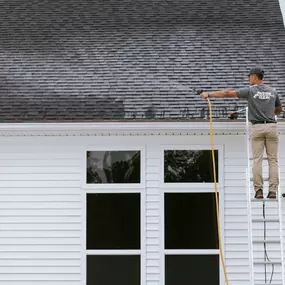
(120, 128)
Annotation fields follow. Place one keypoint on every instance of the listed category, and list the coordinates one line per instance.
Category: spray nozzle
(199, 91)
(233, 115)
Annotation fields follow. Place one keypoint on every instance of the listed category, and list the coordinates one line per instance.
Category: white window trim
(191, 251)
(113, 252)
(114, 187)
(186, 188)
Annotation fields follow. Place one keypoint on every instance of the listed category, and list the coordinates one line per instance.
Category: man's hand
(204, 95)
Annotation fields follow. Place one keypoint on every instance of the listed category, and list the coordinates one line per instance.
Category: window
(189, 166)
(114, 269)
(190, 221)
(113, 217)
(191, 269)
(191, 243)
(113, 167)
(113, 221)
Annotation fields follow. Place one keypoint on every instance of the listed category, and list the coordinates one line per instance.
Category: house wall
(42, 206)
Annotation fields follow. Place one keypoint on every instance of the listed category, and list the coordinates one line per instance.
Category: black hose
(265, 250)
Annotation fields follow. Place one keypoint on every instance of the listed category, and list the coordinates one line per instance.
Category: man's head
(255, 75)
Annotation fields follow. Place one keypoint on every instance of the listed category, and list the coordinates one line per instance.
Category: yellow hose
(216, 192)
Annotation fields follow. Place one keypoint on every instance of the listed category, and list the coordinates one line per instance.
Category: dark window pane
(189, 166)
(113, 221)
(190, 221)
(191, 269)
(113, 167)
(113, 269)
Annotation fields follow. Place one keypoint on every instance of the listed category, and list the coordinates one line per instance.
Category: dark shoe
(271, 195)
(259, 194)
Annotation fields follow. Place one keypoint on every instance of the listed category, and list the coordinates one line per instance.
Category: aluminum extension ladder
(266, 260)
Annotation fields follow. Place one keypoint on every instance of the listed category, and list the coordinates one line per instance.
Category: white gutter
(123, 128)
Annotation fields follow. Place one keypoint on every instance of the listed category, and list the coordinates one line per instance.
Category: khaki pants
(265, 136)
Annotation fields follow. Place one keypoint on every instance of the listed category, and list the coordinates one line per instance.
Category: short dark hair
(259, 72)
(260, 76)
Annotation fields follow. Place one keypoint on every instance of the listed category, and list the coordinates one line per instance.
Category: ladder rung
(265, 220)
(272, 283)
(267, 241)
(268, 262)
(264, 200)
(264, 158)
(264, 179)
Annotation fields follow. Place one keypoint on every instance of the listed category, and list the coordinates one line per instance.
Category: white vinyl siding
(41, 204)
(153, 233)
(236, 227)
(40, 216)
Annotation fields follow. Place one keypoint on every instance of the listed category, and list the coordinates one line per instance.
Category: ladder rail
(279, 196)
(249, 210)
(248, 173)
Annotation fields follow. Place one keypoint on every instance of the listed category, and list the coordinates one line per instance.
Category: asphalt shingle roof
(80, 60)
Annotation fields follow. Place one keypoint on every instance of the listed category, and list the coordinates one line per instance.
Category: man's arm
(278, 109)
(219, 94)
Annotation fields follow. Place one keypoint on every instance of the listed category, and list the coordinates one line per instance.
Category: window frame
(191, 188)
(114, 188)
(186, 187)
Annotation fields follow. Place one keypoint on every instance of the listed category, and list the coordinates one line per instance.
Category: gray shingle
(81, 60)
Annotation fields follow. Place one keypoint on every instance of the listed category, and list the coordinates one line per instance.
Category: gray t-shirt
(262, 100)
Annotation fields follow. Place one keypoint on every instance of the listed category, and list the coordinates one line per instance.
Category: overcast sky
(282, 4)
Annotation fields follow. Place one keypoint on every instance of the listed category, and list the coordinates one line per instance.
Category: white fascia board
(133, 128)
